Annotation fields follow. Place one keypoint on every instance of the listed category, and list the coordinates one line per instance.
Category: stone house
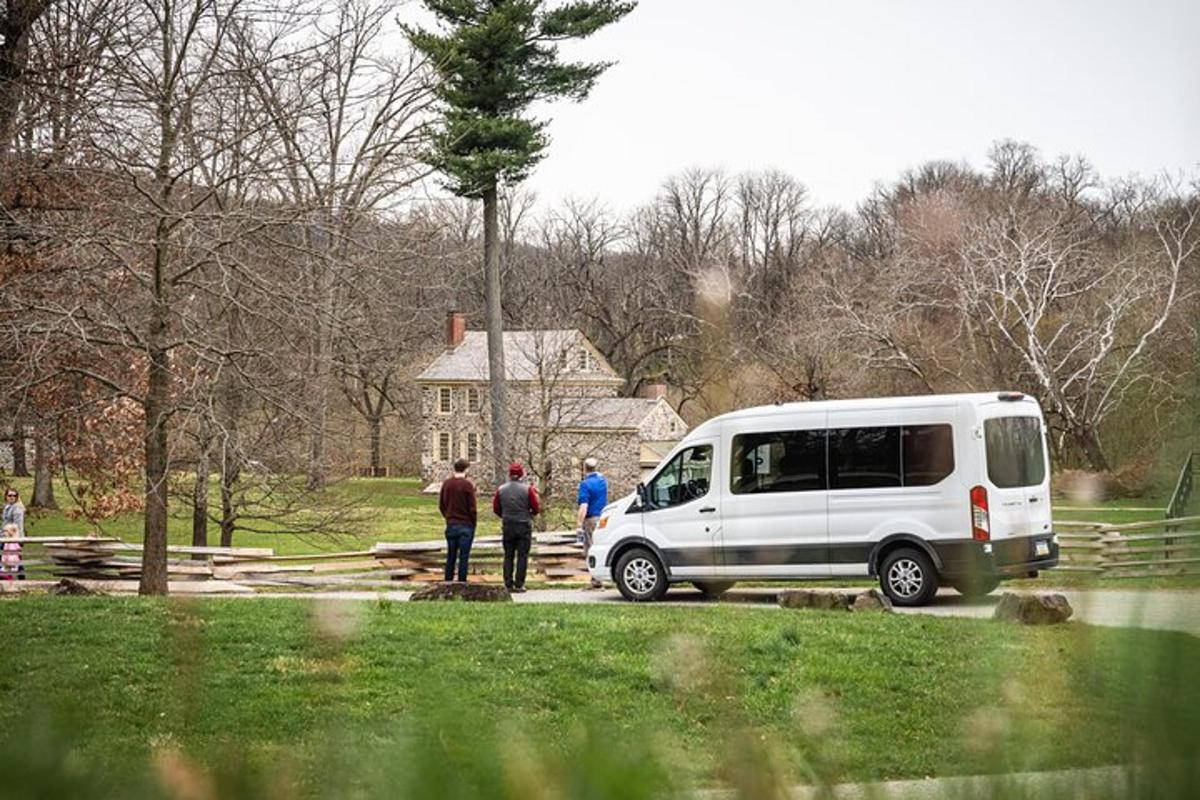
(564, 407)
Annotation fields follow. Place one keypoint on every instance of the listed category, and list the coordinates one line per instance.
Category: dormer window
(583, 360)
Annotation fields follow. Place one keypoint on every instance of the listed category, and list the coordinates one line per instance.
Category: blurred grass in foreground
(262, 698)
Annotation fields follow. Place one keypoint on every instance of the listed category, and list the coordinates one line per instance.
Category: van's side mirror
(641, 493)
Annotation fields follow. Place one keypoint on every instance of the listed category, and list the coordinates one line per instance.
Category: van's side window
(864, 458)
(928, 455)
(686, 478)
(779, 461)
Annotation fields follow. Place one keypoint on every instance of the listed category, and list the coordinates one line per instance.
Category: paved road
(1177, 610)
(1169, 609)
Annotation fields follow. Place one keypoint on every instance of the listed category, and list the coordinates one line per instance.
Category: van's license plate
(1041, 548)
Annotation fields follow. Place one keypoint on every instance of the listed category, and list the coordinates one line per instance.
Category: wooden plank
(1160, 561)
(1108, 509)
(62, 539)
(1149, 537)
(1152, 524)
(320, 556)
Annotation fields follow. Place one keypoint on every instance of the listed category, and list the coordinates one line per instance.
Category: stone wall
(663, 424)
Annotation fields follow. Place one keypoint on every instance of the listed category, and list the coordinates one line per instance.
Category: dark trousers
(518, 536)
(458, 548)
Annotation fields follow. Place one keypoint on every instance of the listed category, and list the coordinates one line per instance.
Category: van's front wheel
(640, 576)
(908, 578)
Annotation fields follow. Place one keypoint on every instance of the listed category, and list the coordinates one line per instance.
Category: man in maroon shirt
(457, 504)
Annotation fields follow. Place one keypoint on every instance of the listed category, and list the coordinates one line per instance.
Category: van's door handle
(707, 510)
(1033, 499)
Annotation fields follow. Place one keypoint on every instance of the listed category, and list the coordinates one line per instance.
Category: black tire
(908, 577)
(640, 576)
(976, 586)
(713, 589)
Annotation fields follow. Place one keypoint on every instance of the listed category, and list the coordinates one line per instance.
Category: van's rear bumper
(1013, 557)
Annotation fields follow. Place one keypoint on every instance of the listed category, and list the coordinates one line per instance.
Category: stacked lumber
(554, 556)
(111, 559)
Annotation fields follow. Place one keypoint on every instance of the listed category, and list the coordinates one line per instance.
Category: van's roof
(866, 404)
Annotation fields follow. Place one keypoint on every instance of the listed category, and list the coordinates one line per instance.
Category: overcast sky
(849, 92)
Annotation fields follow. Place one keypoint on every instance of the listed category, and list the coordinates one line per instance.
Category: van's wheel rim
(641, 575)
(906, 578)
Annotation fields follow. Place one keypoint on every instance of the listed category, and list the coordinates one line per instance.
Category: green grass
(384, 509)
(704, 692)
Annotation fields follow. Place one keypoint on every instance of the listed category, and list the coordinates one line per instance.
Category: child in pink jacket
(10, 553)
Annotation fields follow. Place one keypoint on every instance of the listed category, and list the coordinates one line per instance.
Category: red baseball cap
(515, 470)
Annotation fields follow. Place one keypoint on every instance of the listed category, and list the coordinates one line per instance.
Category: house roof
(601, 413)
(523, 352)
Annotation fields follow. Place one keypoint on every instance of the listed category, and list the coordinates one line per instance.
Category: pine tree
(493, 59)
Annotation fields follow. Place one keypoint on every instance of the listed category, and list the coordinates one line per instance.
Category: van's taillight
(981, 529)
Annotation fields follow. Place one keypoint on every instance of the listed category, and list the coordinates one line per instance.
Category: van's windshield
(1015, 455)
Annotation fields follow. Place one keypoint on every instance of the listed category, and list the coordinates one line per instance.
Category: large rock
(1033, 609)
(809, 598)
(468, 592)
(68, 587)
(872, 600)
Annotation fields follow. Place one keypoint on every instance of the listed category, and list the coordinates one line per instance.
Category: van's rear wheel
(713, 589)
(640, 576)
(976, 586)
(908, 578)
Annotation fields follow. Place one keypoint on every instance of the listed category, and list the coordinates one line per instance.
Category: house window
(473, 447)
(583, 360)
(443, 405)
(474, 398)
(443, 446)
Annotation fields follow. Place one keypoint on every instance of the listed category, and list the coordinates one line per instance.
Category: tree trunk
(43, 474)
(376, 424)
(15, 25)
(495, 335)
(322, 366)
(200, 489)
(1089, 443)
(154, 531)
(231, 461)
(20, 457)
(231, 470)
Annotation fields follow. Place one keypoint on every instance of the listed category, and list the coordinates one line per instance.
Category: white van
(919, 491)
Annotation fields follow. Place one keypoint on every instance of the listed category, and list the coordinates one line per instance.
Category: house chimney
(456, 329)
(653, 389)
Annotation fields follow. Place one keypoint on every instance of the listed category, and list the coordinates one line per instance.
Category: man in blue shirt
(593, 497)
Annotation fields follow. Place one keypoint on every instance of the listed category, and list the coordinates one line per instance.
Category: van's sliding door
(774, 513)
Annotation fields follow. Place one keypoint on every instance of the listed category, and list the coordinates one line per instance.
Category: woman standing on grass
(457, 504)
(14, 514)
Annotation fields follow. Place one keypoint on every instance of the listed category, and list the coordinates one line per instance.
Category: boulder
(67, 587)
(872, 600)
(467, 592)
(809, 598)
(1033, 609)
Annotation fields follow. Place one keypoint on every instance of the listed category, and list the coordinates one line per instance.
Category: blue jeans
(458, 548)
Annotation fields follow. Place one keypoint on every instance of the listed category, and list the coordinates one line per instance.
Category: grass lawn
(452, 700)
(386, 509)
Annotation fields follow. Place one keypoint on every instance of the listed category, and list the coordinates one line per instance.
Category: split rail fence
(553, 557)
(1161, 547)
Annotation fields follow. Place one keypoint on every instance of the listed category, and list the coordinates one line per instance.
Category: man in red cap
(516, 504)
